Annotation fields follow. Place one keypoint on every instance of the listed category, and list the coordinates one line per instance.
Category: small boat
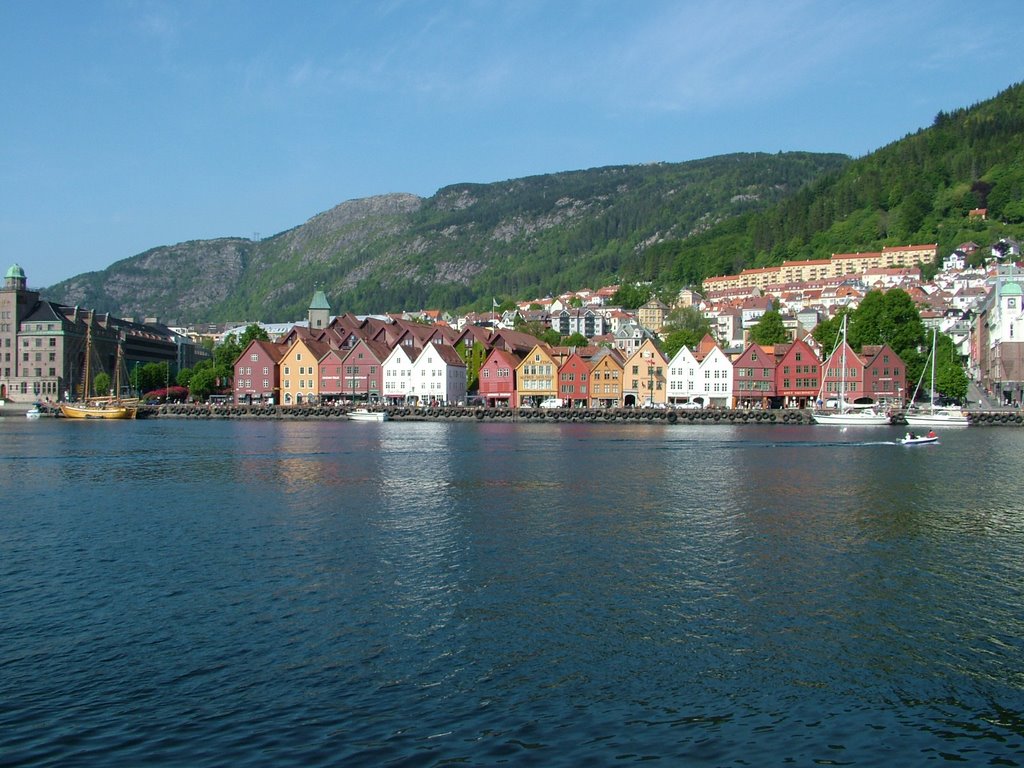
(365, 414)
(33, 413)
(911, 439)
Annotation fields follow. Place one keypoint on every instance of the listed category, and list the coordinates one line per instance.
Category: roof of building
(15, 272)
(320, 301)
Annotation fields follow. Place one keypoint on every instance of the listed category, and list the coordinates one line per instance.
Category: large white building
(997, 354)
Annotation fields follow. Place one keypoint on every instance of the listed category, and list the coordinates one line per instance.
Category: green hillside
(670, 223)
(916, 190)
(464, 245)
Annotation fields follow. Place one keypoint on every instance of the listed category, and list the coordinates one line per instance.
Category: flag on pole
(494, 303)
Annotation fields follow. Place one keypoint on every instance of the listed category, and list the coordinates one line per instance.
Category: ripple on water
(310, 594)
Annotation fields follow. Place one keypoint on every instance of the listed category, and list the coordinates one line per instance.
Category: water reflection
(560, 594)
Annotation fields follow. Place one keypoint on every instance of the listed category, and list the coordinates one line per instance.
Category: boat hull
(119, 412)
(852, 419)
(936, 419)
(367, 416)
(919, 440)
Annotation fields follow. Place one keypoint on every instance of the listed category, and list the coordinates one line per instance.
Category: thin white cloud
(714, 55)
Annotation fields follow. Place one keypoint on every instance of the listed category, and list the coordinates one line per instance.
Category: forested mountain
(673, 224)
(919, 189)
(464, 245)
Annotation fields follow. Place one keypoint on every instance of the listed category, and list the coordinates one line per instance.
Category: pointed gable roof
(614, 353)
(272, 350)
(317, 349)
(475, 332)
(684, 356)
(514, 341)
(295, 333)
(501, 356)
(646, 351)
(379, 350)
(705, 347)
(449, 355)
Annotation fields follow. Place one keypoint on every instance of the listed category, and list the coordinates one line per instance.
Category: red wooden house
(797, 374)
(574, 381)
(754, 377)
(331, 371)
(257, 373)
(844, 372)
(497, 378)
(363, 371)
(885, 375)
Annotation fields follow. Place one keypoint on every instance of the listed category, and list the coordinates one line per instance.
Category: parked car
(551, 402)
(689, 406)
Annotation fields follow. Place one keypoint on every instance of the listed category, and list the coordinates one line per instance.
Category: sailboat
(112, 407)
(943, 416)
(846, 414)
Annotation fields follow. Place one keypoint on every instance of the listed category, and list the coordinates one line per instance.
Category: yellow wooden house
(300, 379)
(536, 377)
(644, 377)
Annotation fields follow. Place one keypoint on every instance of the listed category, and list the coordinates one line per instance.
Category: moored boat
(98, 409)
(846, 414)
(937, 417)
(101, 407)
(364, 414)
(943, 416)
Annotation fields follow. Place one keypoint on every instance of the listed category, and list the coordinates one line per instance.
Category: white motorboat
(365, 414)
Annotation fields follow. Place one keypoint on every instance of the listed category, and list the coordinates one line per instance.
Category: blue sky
(129, 124)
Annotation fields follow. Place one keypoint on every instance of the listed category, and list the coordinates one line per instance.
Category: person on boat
(911, 436)
(931, 433)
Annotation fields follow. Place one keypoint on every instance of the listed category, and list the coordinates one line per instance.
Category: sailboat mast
(931, 395)
(86, 380)
(842, 371)
(117, 369)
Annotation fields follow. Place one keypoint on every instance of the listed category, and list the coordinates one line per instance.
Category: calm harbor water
(244, 594)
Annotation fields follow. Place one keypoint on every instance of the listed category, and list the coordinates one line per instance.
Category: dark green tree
(203, 382)
(145, 378)
(684, 327)
(679, 338)
(631, 296)
(101, 383)
(575, 340)
(887, 318)
(950, 378)
(769, 329)
(687, 319)
(252, 331)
